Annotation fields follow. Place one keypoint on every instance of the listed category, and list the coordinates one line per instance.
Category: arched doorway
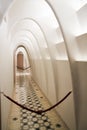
(20, 60)
(22, 65)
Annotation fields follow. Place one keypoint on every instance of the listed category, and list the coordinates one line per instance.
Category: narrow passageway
(28, 93)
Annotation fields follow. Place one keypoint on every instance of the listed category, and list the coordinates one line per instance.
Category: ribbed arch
(45, 26)
(29, 28)
(38, 26)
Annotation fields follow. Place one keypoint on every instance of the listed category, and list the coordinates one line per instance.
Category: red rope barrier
(39, 111)
(23, 68)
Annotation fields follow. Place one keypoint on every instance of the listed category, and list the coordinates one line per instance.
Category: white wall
(72, 23)
(6, 74)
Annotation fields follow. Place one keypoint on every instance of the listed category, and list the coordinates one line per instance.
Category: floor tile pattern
(33, 121)
(28, 94)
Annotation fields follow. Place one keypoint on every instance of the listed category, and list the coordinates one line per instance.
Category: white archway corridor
(53, 35)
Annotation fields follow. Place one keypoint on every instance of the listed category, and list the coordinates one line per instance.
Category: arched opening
(20, 60)
(56, 51)
(22, 65)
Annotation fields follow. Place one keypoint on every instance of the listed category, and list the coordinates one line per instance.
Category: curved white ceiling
(4, 4)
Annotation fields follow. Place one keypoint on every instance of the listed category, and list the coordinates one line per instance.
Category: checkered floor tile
(28, 94)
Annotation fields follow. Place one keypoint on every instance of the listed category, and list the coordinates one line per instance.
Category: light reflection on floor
(28, 93)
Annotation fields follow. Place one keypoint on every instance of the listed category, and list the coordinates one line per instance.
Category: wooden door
(20, 60)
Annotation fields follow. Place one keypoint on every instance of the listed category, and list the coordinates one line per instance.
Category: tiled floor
(28, 94)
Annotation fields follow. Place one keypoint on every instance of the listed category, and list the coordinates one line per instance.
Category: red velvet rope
(39, 111)
(23, 68)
